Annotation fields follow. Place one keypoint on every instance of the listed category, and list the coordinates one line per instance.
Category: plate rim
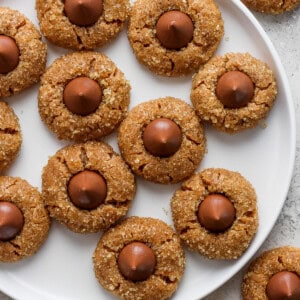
(242, 262)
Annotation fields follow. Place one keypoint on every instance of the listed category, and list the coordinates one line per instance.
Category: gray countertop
(284, 31)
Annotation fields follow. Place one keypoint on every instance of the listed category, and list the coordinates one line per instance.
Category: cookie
(275, 274)
(233, 92)
(215, 213)
(87, 187)
(10, 136)
(162, 140)
(271, 7)
(83, 24)
(140, 258)
(24, 222)
(83, 96)
(22, 53)
(174, 38)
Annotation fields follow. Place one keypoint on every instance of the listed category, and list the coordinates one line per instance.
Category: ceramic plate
(63, 268)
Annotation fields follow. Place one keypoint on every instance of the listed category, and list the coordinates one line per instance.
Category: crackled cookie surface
(275, 274)
(10, 136)
(87, 187)
(24, 222)
(162, 140)
(271, 7)
(154, 34)
(81, 24)
(217, 230)
(22, 53)
(233, 92)
(162, 257)
(83, 96)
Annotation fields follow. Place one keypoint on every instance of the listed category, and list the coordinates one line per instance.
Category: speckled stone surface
(280, 29)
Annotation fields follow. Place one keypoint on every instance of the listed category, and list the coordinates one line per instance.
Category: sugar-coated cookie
(87, 187)
(233, 92)
(24, 221)
(174, 38)
(162, 140)
(274, 275)
(270, 6)
(84, 24)
(215, 213)
(10, 136)
(140, 258)
(83, 96)
(22, 53)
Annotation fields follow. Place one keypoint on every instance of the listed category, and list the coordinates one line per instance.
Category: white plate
(63, 269)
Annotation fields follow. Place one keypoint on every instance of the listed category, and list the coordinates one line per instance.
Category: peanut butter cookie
(162, 140)
(10, 136)
(174, 38)
(84, 24)
(83, 96)
(24, 222)
(22, 53)
(233, 92)
(215, 214)
(275, 274)
(87, 187)
(270, 6)
(140, 258)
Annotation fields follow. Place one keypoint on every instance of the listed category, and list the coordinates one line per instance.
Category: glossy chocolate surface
(174, 29)
(162, 137)
(87, 189)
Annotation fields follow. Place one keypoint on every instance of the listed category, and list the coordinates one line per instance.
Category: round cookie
(103, 118)
(177, 166)
(63, 24)
(36, 222)
(73, 160)
(164, 243)
(229, 243)
(10, 136)
(143, 35)
(271, 7)
(22, 53)
(262, 269)
(231, 120)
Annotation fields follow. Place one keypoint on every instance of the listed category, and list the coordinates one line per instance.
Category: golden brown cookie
(106, 115)
(187, 144)
(164, 243)
(68, 32)
(206, 35)
(10, 136)
(236, 114)
(74, 206)
(17, 194)
(186, 202)
(270, 6)
(283, 262)
(23, 54)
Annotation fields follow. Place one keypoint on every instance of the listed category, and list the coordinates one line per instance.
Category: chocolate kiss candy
(235, 89)
(87, 189)
(82, 96)
(174, 29)
(284, 285)
(216, 213)
(136, 261)
(9, 54)
(11, 221)
(83, 12)
(162, 137)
